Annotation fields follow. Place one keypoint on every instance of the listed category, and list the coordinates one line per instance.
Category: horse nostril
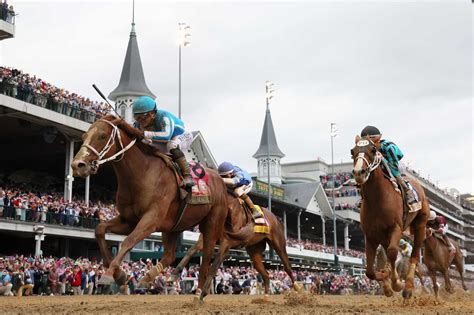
(81, 164)
(362, 171)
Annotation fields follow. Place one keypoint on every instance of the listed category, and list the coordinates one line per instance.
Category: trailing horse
(438, 258)
(147, 198)
(382, 217)
(240, 218)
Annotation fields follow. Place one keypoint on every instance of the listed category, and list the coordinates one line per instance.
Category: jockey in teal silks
(161, 126)
(240, 182)
(392, 154)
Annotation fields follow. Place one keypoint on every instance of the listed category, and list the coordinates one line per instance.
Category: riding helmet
(370, 131)
(143, 104)
(225, 168)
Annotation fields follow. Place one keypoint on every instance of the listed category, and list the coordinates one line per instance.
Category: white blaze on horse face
(84, 152)
(360, 161)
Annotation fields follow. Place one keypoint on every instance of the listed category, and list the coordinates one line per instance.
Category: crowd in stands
(347, 206)
(7, 13)
(28, 275)
(434, 186)
(309, 245)
(33, 206)
(29, 88)
(339, 179)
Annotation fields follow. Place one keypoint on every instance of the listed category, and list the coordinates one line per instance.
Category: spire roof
(268, 143)
(132, 81)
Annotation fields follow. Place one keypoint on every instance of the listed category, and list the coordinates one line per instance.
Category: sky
(403, 66)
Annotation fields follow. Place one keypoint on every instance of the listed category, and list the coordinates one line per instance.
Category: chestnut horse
(147, 198)
(438, 258)
(254, 244)
(381, 217)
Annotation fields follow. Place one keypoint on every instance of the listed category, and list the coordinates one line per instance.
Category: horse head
(366, 159)
(101, 143)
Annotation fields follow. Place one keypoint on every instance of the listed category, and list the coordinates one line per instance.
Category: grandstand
(42, 127)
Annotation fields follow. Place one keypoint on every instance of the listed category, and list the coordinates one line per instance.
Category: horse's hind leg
(279, 245)
(256, 254)
(197, 247)
(419, 227)
(460, 267)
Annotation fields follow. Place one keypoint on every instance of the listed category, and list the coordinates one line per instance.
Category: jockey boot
(255, 213)
(180, 159)
(410, 196)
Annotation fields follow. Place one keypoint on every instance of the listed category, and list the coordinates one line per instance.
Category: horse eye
(352, 152)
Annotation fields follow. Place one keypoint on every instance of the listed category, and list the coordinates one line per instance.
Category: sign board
(276, 192)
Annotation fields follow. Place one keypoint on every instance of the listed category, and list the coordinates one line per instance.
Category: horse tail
(245, 233)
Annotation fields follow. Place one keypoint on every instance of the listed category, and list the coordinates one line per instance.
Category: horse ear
(357, 139)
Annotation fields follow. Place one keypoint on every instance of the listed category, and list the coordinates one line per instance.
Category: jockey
(161, 126)
(392, 154)
(240, 181)
(437, 223)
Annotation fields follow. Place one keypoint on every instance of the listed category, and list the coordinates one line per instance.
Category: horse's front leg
(370, 251)
(145, 227)
(392, 254)
(117, 226)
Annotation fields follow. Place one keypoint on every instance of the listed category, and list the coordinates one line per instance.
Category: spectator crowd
(7, 13)
(30, 205)
(309, 245)
(29, 88)
(28, 275)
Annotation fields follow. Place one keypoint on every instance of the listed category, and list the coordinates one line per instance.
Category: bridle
(370, 166)
(115, 133)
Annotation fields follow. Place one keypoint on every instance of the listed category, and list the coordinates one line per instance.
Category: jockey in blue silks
(161, 126)
(392, 154)
(241, 182)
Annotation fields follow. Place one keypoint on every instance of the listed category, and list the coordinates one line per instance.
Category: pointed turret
(132, 81)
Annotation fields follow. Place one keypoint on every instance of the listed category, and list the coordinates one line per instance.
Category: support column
(324, 230)
(39, 236)
(66, 247)
(86, 193)
(284, 224)
(298, 223)
(346, 236)
(69, 178)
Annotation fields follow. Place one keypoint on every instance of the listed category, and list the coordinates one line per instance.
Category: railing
(48, 102)
(28, 215)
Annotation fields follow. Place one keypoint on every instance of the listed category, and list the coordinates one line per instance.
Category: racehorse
(438, 258)
(254, 244)
(381, 217)
(147, 198)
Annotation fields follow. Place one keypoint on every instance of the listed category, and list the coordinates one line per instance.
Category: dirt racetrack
(458, 303)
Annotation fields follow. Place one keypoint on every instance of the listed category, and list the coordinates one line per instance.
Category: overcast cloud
(405, 67)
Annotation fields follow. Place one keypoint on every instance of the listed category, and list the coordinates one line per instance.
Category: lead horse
(254, 243)
(147, 198)
(381, 217)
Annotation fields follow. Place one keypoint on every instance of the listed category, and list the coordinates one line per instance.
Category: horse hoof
(298, 287)
(407, 294)
(121, 278)
(106, 280)
(397, 286)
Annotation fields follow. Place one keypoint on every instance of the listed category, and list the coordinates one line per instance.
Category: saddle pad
(200, 191)
(417, 197)
(261, 224)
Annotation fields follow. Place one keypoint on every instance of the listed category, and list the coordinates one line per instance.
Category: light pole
(333, 135)
(184, 32)
(269, 90)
